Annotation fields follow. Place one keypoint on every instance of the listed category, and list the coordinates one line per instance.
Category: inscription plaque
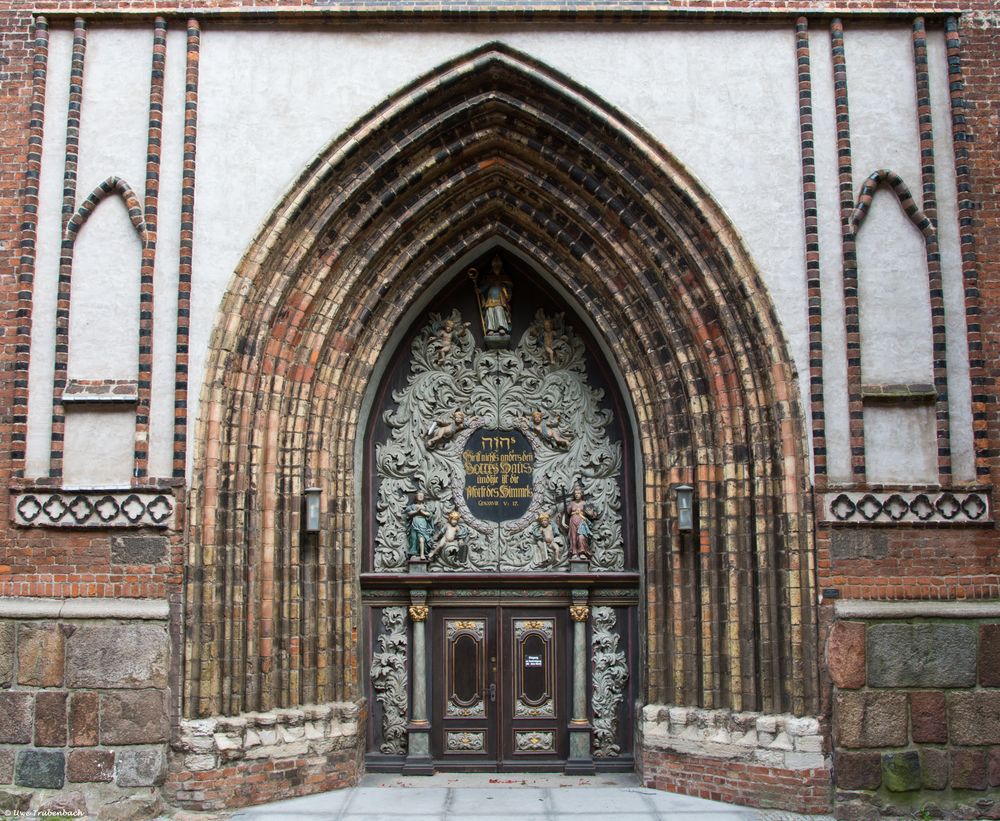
(499, 474)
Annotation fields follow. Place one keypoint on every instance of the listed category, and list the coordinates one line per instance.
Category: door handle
(493, 692)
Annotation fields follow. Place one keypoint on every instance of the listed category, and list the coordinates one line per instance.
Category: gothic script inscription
(499, 470)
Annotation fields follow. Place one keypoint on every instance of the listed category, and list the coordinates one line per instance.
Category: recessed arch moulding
(495, 148)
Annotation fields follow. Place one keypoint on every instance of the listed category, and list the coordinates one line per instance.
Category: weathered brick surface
(16, 710)
(929, 717)
(755, 785)
(118, 655)
(974, 717)
(40, 655)
(7, 652)
(133, 717)
(858, 771)
(870, 719)
(989, 655)
(50, 719)
(993, 767)
(935, 768)
(845, 654)
(44, 769)
(921, 655)
(90, 765)
(969, 769)
(140, 768)
(901, 771)
(83, 709)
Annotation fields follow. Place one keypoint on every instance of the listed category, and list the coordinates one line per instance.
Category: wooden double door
(501, 688)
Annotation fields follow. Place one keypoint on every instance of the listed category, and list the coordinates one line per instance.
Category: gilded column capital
(579, 612)
(418, 612)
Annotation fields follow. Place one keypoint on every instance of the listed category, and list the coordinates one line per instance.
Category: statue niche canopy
(497, 442)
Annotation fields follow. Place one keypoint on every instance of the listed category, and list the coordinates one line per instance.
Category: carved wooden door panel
(500, 698)
(534, 692)
(464, 692)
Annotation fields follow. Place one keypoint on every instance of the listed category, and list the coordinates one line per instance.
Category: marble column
(580, 761)
(418, 757)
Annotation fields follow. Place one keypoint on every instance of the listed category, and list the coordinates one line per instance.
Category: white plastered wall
(723, 101)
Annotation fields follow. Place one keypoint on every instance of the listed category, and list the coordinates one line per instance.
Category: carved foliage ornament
(454, 389)
(610, 675)
(388, 675)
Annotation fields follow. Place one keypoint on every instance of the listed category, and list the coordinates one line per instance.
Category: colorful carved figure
(444, 429)
(576, 518)
(420, 516)
(494, 302)
(547, 432)
(450, 544)
(548, 544)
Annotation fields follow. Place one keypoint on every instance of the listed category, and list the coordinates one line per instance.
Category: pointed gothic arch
(495, 146)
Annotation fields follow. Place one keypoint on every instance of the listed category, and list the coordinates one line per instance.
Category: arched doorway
(494, 148)
(501, 518)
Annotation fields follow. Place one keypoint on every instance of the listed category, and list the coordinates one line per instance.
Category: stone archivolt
(491, 149)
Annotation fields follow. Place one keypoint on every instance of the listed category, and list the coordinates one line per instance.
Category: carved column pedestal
(418, 757)
(580, 761)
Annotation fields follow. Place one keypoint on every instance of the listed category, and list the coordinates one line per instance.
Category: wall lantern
(685, 507)
(312, 509)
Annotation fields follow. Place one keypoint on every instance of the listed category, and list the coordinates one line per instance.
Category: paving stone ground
(502, 797)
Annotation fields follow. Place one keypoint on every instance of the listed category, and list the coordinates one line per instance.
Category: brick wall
(776, 761)
(257, 757)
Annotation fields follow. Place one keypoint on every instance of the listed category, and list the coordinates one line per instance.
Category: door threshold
(494, 780)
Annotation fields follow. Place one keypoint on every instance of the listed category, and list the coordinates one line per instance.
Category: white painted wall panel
(104, 297)
(893, 296)
(50, 196)
(899, 445)
(99, 447)
(114, 117)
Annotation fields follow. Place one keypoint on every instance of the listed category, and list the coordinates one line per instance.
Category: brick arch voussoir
(111, 186)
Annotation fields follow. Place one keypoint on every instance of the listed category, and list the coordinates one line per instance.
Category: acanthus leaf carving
(389, 679)
(610, 674)
(539, 388)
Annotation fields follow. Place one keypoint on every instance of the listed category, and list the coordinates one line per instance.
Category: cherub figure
(548, 545)
(444, 429)
(419, 515)
(450, 542)
(550, 337)
(576, 518)
(446, 335)
(546, 431)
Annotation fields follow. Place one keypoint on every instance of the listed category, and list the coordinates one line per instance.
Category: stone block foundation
(253, 758)
(83, 707)
(916, 709)
(759, 760)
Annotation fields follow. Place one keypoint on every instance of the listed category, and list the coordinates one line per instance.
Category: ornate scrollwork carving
(501, 389)
(466, 742)
(610, 675)
(534, 741)
(388, 675)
